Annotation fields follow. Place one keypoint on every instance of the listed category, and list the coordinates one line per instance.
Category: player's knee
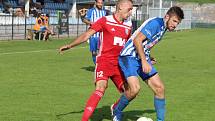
(134, 90)
(160, 90)
(101, 86)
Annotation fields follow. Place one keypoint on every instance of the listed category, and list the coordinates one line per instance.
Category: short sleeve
(150, 29)
(89, 14)
(99, 24)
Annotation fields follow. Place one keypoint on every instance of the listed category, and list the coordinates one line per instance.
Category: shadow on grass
(68, 113)
(104, 113)
(89, 68)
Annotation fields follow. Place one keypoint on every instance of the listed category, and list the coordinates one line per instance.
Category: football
(144, 119)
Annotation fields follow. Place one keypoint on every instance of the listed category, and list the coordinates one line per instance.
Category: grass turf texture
(38, 84)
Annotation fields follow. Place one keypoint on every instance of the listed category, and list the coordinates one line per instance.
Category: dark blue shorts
(132, 66)
(94, 43)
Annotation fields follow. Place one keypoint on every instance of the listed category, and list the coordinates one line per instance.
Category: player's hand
(63, 48)
(146, 67)
(153, 60)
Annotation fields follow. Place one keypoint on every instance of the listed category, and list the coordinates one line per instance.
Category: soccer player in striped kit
(114, 30)
(92, 15)
(135, 61)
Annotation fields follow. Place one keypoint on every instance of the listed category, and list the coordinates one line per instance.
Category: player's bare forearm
(81, 39)
(138, 44)
(86, 21)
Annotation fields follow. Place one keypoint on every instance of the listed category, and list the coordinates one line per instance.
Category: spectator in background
(7, 7)
(46, 25)
(12, 9)
(35, 7)
(92, 15)
(42, 25)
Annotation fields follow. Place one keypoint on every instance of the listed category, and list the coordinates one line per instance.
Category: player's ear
(167, 16)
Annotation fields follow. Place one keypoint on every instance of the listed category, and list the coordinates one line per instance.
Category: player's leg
(94, 99)
(129, 67)
(157, 86)
(43, 30)
(93, 48)
(47, 35)
(131, 90)
(101, 85)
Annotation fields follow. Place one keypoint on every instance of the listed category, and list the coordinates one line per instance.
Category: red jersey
(113, 36)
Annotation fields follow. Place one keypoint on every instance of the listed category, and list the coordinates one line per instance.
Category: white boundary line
(35, 51)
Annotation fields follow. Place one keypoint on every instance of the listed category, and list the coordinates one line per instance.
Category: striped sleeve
(89, 14)
(150, 29)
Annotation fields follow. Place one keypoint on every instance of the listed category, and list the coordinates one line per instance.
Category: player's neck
(118, 17)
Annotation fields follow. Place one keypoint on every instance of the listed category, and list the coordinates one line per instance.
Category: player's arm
(153, 60)
(82, 13)
(138, 40)
(81, 39)
(86, 19)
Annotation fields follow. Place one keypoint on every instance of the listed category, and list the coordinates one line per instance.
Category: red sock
(91, 104)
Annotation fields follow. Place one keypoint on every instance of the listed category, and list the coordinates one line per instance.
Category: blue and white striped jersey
(93, 14)
(153, 29)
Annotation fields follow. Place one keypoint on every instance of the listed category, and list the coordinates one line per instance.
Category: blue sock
(123, 102)
(160, 108)
(94, 59)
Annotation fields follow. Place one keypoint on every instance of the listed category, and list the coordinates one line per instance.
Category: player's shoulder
(103, 19)
(110, 18)
(156, 21)
(90, 10)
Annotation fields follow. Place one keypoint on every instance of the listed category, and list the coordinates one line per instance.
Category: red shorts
(104, 71)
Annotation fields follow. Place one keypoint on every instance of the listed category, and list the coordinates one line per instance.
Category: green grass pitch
(38, 84)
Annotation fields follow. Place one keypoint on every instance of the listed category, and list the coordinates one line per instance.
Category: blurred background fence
(14, 27)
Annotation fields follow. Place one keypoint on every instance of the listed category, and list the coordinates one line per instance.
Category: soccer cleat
(116, 116)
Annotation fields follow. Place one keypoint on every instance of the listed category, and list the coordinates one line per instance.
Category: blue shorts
(132, 66)
(42, 28)
(94, 44)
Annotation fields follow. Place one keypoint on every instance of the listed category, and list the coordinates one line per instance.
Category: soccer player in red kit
(114, 30)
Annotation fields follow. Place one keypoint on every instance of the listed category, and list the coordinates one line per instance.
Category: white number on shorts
(99, 74)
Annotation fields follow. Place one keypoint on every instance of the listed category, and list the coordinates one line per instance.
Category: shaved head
(124, 9)
(121, 2)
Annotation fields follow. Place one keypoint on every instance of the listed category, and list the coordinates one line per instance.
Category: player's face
(99, 4)
(126, 10)
(172, 22)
